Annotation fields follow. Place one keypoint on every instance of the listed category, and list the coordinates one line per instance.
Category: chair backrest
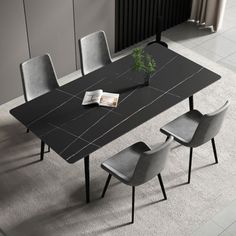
(94, 52)
(38, 76)
(209, 126)
(151, 163)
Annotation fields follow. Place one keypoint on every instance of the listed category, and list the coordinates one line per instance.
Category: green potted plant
(144, 62)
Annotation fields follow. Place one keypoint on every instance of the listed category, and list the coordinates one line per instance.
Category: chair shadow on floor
(14, 135)
(19, 167)
(2, 233)
(78, 196)
(77, 214)
(13, 141)
(72, 218)
(150, 203)
(6, 162)
(53, 224)
(182, 174)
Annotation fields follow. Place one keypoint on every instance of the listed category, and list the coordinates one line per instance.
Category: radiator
(135, 20)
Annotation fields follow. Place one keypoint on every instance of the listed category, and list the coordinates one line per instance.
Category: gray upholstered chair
(38, 77)
(94, 52)
(193, 129)
(136, 165)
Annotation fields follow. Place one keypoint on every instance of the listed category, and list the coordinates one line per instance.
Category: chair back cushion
(151, 163)
(94, 52)
(209, 126)
(38, 76)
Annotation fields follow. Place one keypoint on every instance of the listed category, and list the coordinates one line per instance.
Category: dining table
(74, 131)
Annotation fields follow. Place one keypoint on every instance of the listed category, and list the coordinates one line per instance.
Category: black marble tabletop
(75, 131)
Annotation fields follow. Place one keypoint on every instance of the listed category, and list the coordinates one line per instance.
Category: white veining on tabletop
(49, 112)
(96, 122)
(192, 75)
(167, 63)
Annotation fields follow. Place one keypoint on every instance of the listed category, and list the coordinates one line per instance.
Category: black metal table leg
(42, 150)
(214, 150)
(191, 105)
(87, 179)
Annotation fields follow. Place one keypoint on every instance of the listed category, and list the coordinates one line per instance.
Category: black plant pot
(147, 80)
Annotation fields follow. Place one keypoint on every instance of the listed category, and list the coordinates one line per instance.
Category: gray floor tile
(208, 229)
(230, 16)
(230, 231)
(231, 57)
(226, 217)
(229, 62)
(206, 53)
(223, 224)
(230, 3)
(220, 45)
(189, 34)
(227, 25)
(189, 44)
(230, 34)
(230, 10)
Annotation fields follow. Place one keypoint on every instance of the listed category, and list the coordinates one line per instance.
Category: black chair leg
(214, 149)
(162, 186)
(191, 103)
(87, 178)
(27, 130)
(48, 149)
(133, 200)
(190, 164)
(42, 150)
(106, 185)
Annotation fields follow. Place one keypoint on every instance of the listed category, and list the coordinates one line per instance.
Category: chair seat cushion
(122, 165)
(183, 127)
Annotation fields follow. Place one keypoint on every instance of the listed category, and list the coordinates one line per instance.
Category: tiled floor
(223, 224)
(219, 47)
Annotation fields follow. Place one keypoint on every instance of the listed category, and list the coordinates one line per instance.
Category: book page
(109, 99)
(91, 97)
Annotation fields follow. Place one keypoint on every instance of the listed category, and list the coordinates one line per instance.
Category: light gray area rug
(47, 198)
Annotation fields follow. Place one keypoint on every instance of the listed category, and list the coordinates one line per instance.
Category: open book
(101, 98)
